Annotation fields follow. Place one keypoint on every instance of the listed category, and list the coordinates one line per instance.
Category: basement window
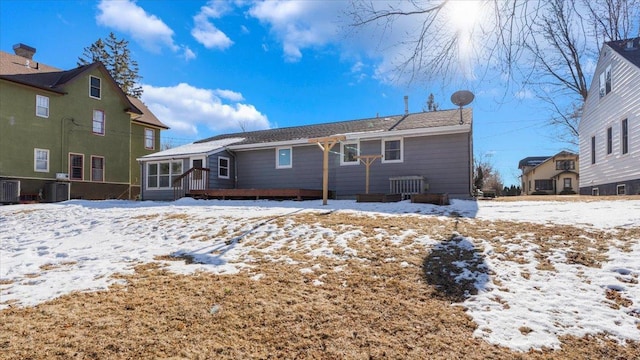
(621, 190)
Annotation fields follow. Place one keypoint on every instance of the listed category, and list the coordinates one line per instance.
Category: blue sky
(220, 66)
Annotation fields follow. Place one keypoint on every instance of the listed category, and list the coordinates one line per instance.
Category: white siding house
(609, 130)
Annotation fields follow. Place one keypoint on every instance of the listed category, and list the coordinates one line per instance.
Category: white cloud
(188, 54)
(524, 94)
(186, 109)
(205, 32)
(147, 30)
(300, 24)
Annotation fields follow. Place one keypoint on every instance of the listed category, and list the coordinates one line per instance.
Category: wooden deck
(226, 194)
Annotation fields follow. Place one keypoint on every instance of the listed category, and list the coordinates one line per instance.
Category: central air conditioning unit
(57, 191)
(62, 176)
(9, 191)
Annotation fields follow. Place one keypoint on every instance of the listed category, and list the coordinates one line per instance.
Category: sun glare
(464, 17)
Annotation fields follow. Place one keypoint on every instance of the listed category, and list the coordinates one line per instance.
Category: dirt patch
(372, 299)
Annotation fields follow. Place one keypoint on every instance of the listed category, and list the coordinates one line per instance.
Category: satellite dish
(462, 98)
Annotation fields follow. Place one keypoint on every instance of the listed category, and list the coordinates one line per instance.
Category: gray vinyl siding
(257, 169)
(214, 181)
(161, 194)
(443, 160)
(623, 102)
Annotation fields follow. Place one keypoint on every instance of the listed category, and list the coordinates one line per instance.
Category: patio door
(198, 178)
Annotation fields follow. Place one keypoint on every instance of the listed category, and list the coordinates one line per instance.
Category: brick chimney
(24, 50)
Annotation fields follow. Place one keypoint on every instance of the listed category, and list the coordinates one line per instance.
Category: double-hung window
(97, 168)
(41, 160)
(223, 167)
(349, 152)
(98, 122)
(149, 139)
(624, 136)
(94, 87)
(392, 150)
(76, 171)
(160, 175)
(284, 157)
(42, 106)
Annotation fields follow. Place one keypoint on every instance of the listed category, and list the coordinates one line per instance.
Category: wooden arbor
(326, 143)
(367, 160)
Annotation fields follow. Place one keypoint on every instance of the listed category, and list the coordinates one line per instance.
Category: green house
(69, 134)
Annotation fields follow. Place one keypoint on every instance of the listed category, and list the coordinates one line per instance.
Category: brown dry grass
(367, 309)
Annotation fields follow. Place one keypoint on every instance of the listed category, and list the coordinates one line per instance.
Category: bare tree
(542, 46)
(486, 176)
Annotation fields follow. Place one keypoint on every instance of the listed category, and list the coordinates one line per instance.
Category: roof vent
(630, 45)
(24, 50)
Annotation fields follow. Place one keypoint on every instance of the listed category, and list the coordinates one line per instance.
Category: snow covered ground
(48, 250)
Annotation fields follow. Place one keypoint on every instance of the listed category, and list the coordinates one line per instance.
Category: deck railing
(196, 178)
(407, 185)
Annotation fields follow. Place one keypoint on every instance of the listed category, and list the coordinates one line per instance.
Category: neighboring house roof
(206, 148)
(532, 161)
(387, 124)
(11, 64)
(147, 116)
(51, 80)
(536, 161)
(628, 48)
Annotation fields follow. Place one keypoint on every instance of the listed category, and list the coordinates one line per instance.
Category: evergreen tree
(116, 57)
(432, 105)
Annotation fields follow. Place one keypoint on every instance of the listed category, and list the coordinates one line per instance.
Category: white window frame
(595, 191)
(624, 136)
(285, 166)
(149, 139)
(35, 160)
(99, 87)
(621, 189)
(345, 144)
(42, 102)
(604, 80)
(384, 158)
(171, 174)
(103, 122)
(103, 168)
(228, 167)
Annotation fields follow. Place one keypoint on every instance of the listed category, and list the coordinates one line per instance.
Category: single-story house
(432, 148)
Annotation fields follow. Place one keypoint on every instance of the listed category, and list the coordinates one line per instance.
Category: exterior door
(198, 178)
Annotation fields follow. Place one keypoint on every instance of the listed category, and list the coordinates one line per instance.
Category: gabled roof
(628, 49)
(51, 80)
(206, 148)
(535, 161)
(147, 116)
(423, 120)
